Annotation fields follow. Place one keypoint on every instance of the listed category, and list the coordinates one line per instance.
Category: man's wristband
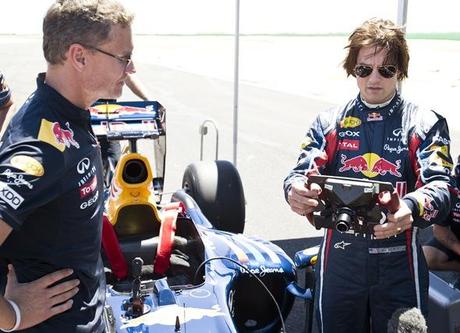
(17, 313)
(5, 96)
(5, 92)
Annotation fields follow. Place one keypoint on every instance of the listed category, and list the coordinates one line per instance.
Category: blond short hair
(87, 22)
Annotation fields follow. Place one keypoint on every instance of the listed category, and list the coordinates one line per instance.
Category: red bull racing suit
(361, 281)
(51, 195)
(453, 222)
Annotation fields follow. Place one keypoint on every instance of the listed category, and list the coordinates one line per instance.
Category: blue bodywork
(226, 299)
(198, 293)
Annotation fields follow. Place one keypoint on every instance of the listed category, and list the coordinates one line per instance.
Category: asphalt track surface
(285, 82)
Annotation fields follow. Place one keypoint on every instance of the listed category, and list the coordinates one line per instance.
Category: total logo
(370, 165)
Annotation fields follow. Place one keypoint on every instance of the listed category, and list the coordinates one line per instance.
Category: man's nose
(375, 75)
(130, 69)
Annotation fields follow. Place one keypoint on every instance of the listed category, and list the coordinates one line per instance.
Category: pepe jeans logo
(261, 271)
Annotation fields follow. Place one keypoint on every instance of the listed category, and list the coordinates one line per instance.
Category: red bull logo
(383, 166)
(64, 136)
(357, 164)
(371, 165)
(53, 134)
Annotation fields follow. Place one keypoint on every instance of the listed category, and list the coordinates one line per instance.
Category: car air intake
(135, 172)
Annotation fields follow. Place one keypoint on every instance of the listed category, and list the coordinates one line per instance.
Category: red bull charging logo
(370, 165)
(56, 135)
(64, 136)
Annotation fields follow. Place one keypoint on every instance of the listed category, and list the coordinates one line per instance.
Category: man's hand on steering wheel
(304, 200)
(396, 223)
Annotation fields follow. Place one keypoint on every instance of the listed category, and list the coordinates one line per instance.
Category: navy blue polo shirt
(51, 194)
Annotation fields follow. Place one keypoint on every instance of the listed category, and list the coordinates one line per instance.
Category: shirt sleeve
(30, 173)
(432, 163)
(315, 150)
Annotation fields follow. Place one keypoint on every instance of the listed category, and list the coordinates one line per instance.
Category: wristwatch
(5, 92)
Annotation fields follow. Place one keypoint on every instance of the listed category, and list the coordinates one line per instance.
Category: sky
(256, 16)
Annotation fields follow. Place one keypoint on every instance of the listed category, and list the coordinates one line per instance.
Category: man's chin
(114, 94)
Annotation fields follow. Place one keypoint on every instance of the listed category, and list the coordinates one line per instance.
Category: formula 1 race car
(183, 265)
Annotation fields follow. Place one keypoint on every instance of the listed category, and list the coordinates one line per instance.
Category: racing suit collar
(63, 106)
(380, 112)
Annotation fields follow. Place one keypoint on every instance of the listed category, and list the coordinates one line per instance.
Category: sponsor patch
(442, 140)
(374, 116)
(398, 149)
(28, 164)
(350, 122)
(371, 165)
(90, 202)
(107, 108)
(16, 179)
(306, 142)
(10, 196)
(341, 245)
(349, 133)
(88, 188)
(349, 145)
(57, 136)
(442, 149)
(440, 156)
(83, 165)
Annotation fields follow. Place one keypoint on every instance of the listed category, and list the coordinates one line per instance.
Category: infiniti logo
(397, 131)
(83, 165)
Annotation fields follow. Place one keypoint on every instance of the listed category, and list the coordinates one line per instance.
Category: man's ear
(77, 56)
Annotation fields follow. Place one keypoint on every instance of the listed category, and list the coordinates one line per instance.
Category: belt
(392, 249)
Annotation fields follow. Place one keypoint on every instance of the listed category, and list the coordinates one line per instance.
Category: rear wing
(128, 120)
(132, 121)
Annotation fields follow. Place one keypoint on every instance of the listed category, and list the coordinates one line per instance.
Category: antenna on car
(107, 114)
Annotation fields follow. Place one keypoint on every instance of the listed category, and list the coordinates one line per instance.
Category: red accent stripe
(167, 231)
(410, 257)
(328, 246)
(112, 250)
(414, 144)
(331, 147)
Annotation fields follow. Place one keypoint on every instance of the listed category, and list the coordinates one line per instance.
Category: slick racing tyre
(217, 189)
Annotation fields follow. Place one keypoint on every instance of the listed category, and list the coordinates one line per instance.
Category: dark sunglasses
(386, 71)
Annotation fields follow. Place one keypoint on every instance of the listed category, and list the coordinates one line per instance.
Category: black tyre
(217, 189)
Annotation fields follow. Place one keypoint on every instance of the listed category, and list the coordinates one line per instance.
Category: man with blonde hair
(51, 185)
